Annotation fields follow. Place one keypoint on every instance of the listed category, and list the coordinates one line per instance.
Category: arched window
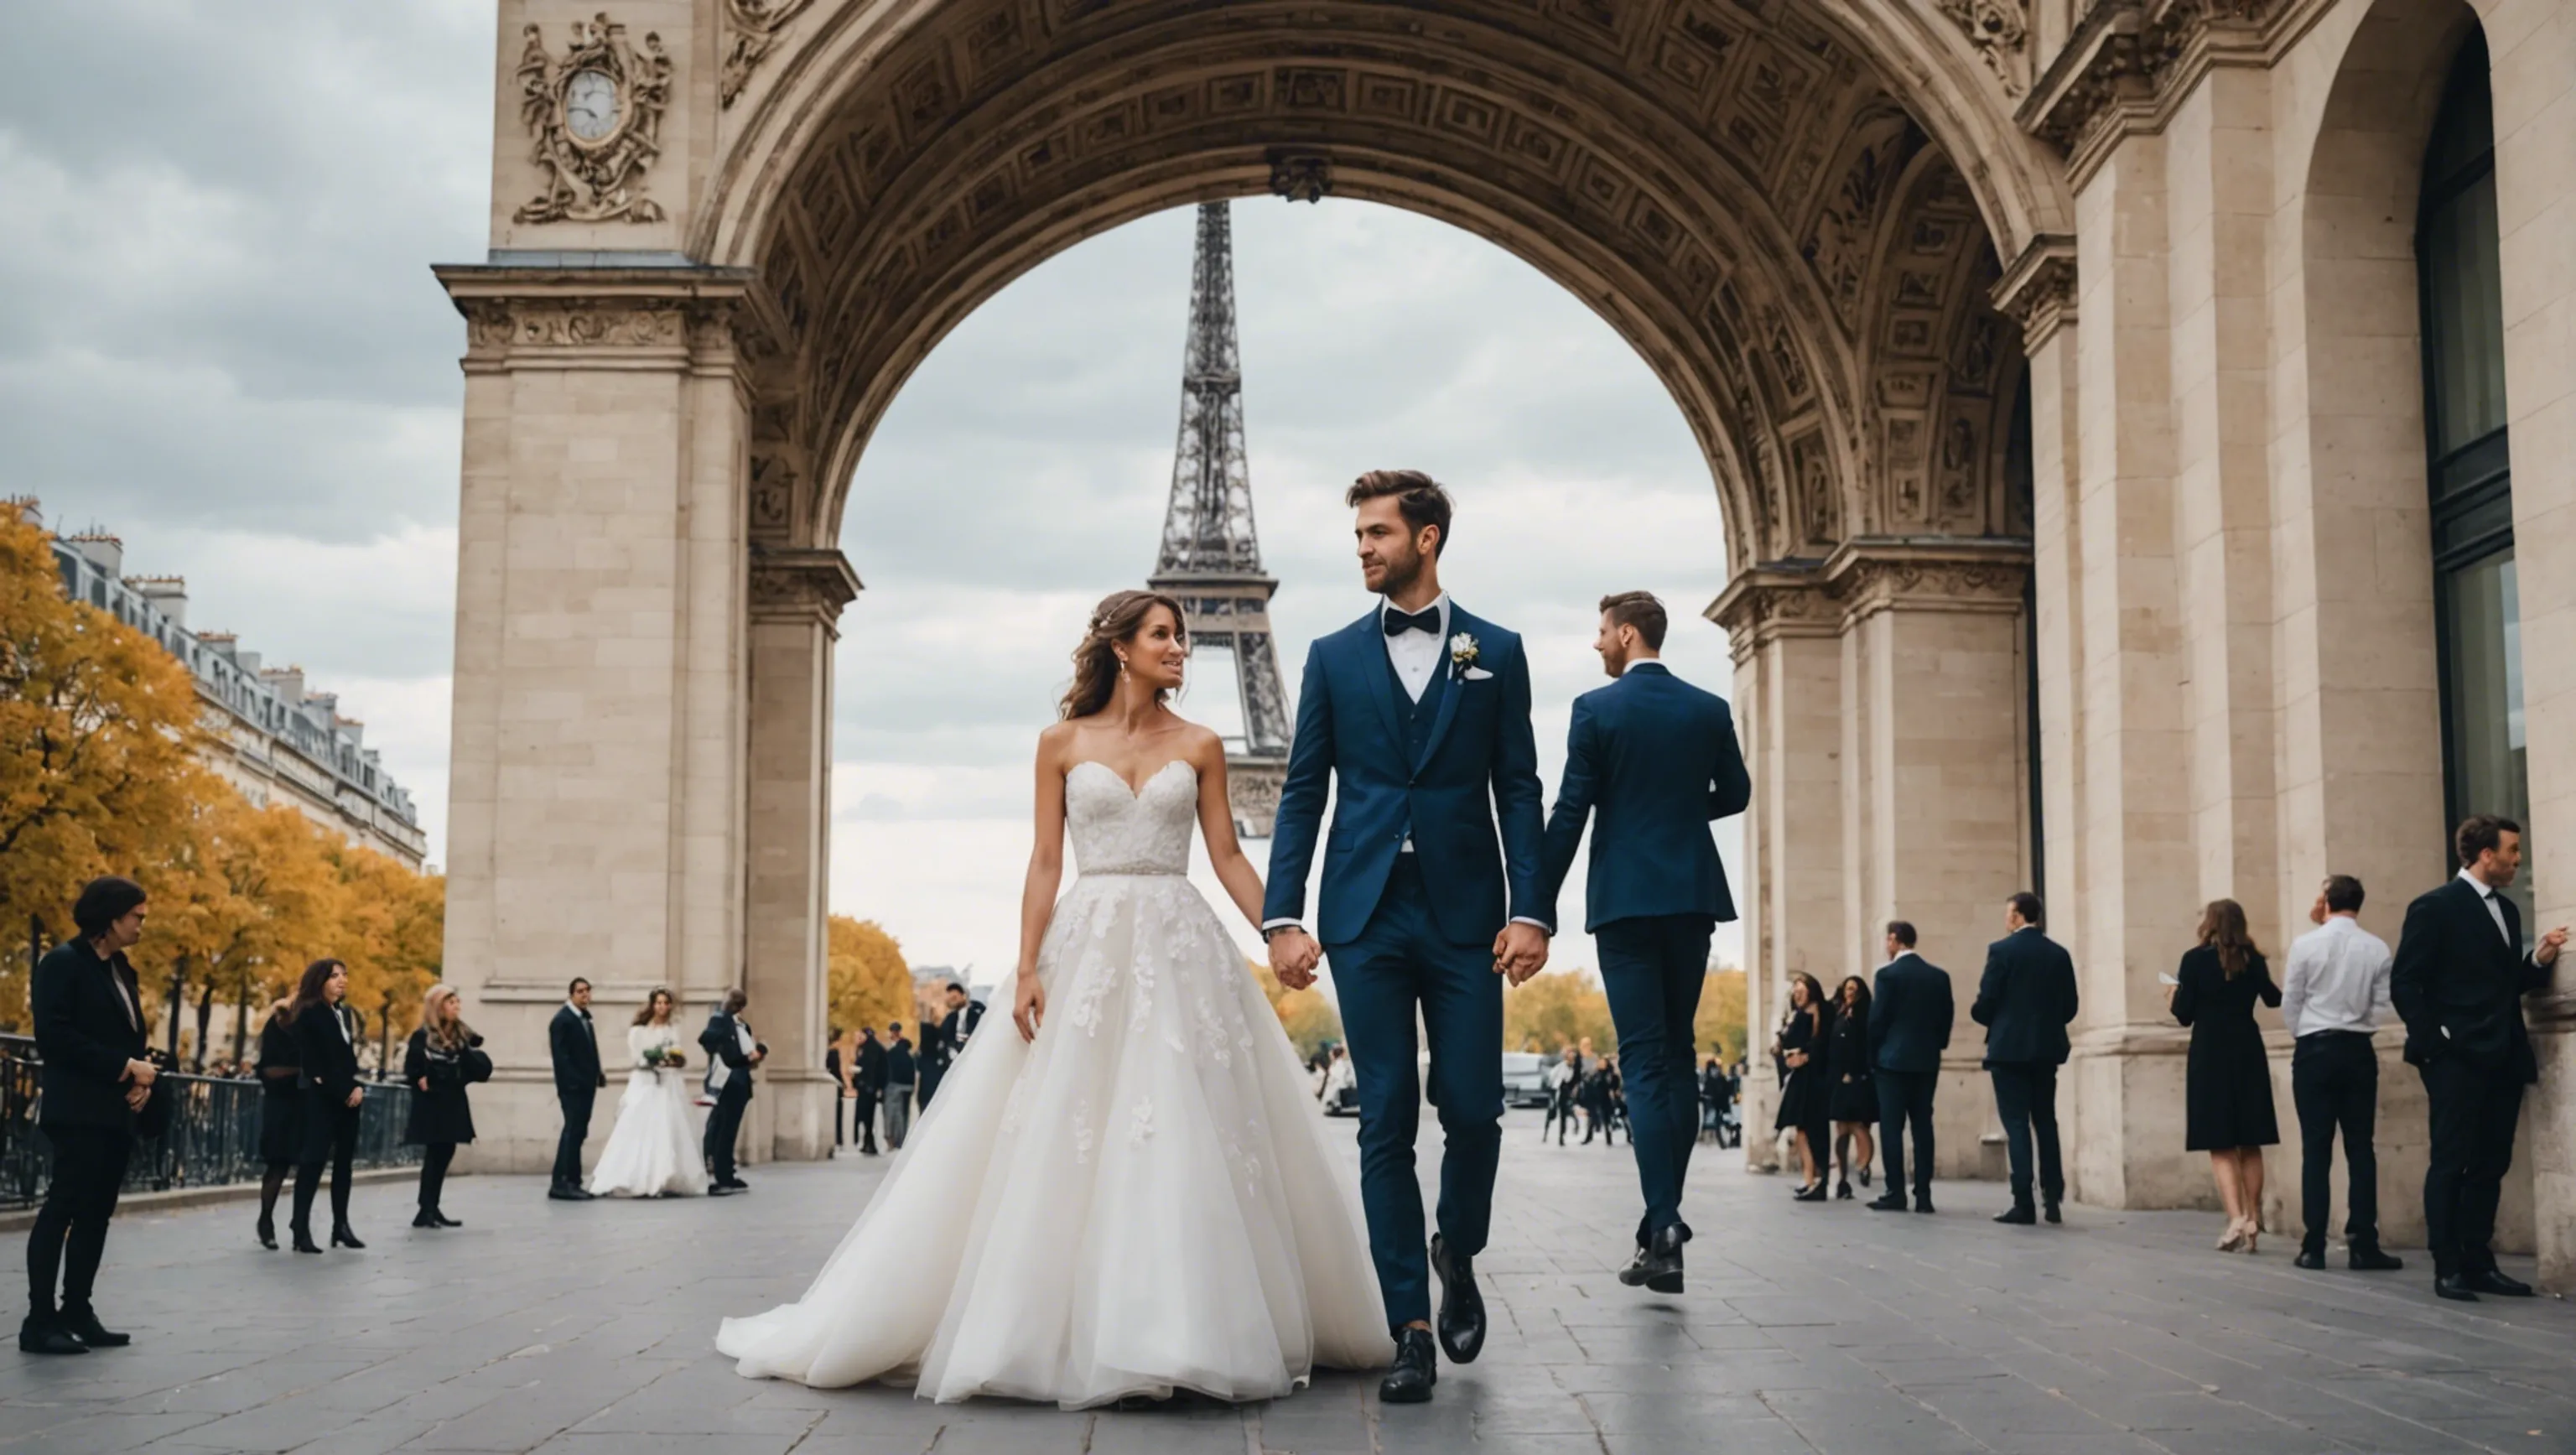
(2480, 618)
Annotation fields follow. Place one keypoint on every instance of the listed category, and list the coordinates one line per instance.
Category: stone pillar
(595, 815)
(1788, 702)
(796, 597)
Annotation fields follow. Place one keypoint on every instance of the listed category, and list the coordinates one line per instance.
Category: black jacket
(440, 1113)
(870, 1074)
(2026, 1000)
(1910, 1014)
(326, 1051)
(575, 1043)
(723, 1042)
(899, 1064)
(2459, 985)
(85, 1033)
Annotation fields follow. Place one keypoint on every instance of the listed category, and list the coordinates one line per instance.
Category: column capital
(2130, 62)
(1870, 574)
(542, 315)
(808, 584)
(1773, 600)
(2037, 289)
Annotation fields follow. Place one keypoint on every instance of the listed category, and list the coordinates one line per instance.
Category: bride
(1133, 1195)
(652, 1150)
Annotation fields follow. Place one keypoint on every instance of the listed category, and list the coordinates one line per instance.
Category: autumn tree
(869, 984)
(1721, 1015)
(1307, 1017)
(97, 724)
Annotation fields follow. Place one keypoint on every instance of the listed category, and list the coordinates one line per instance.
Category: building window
(2477, 608)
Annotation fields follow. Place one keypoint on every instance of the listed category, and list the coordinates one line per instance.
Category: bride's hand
(1028, 1006)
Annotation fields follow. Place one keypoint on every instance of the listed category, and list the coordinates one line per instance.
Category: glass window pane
(2464, 317)
(2483, 658)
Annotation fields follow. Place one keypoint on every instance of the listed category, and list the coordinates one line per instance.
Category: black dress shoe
(567, 1194)
(443, 1220)
(1658, 1265)
(1462, 1307)
(2309, 1258)
(2048, 1210)
(2453, 1285)
(425, 1219)
(737, 1184)
(1816, 1193)
(2485, 1280)
(1888, 1201)
(719, 1189)
(2371, 1260)
(1923, 1204)
(81, 1322)
(2019, 1215)
(343, 1237)
(1416, 1369)
(47, 1336)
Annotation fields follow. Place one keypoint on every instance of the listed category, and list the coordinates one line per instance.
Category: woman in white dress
(653, 1150)
(1133, 1194)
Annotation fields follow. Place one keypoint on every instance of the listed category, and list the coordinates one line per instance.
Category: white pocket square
(1478, 674)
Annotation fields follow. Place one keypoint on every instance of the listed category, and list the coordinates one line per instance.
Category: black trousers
(330, 1135)
(1905, 1102)
(930, 1083)
(725, 1123)
(2026, 1102)
(2474, 1110)
(70, 1231)
(2334, 1083)
(1652, 968)
(863, 1111)
(434, 1158)
(576, 1130)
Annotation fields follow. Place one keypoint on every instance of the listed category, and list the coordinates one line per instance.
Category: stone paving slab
(566, 1328)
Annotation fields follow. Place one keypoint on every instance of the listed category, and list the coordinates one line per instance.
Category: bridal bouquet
(657, 1058)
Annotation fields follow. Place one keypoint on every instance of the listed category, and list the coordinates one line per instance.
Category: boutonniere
(1463, 652)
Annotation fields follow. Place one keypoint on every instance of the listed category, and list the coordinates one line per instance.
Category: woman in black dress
(2227, 1098)
(1854, 1097)
(1805, 1098)
(326, 1059)
(281, 1115)
(443, 1058)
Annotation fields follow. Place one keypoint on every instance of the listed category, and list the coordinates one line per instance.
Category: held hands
(1520, 952)
(1028, 1005)
(1293, 956)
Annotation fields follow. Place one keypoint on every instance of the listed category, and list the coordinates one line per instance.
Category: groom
(1422, 714)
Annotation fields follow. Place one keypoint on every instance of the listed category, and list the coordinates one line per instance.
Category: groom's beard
(1401, 576)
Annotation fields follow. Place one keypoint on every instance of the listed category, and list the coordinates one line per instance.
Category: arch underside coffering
(1731, 185)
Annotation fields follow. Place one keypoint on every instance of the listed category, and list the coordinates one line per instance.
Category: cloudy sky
(225, 344)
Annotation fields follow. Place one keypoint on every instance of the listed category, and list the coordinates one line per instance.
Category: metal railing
(213, 1138)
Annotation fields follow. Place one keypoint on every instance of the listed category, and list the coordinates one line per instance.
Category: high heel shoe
(304, 1240)
(1812, 1193)
(2233, 1240)
(1842, 1191)
(342, 1237)
(268, 1234)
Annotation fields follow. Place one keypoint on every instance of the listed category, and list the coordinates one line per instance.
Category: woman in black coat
(1805, 1098)
(96, 1076)
(2227, 1097)
(281, 1115)
(326, 1059)
(443, 1058)
(1853, 1097)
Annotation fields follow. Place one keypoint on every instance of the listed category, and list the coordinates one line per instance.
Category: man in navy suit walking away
(1910, 1015)
(1658, 758)
(1417, 718)
(2026, 1000)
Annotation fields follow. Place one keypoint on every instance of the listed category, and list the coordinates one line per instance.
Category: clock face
(590, 105)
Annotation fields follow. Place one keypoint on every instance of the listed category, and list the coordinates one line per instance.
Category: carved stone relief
(1998, 30)
(595, 115)
(753, 27)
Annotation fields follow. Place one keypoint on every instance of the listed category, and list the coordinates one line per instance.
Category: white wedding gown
(653, 1149)
(1140, 1201)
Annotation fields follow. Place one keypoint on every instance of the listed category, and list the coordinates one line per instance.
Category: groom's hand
(1293, 956)
(1520, 951)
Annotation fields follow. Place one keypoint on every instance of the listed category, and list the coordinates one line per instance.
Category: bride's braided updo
(1118, 618)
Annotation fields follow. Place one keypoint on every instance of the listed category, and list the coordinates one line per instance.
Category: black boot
(44, 1334)
(425, 1219)
(268, 1232)
(439, 1216)
(303, 1238)
(1658, 1265)
(81, 1322)
(343, 1237)
(2020, 1214)
(1842, 1190)
(1416, 1369)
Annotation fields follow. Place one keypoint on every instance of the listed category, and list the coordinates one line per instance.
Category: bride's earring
(1122, 666)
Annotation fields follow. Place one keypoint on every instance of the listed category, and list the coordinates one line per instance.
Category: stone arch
(1715, 181)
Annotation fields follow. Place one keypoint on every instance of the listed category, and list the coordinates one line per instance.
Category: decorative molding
(2130, 62)
(614, 317)
(1774, 600)
(596, 117)
(1866, 576)
(803, 584)
(493, 324)
(1300, 176)
(755, 25)
(2037, 289)
(1999, 31)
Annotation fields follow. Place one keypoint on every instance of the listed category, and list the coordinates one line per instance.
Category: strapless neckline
(1134, 790)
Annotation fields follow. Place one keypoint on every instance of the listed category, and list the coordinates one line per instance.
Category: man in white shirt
(2334, 995)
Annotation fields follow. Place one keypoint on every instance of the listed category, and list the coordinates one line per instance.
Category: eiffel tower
(1211, 559)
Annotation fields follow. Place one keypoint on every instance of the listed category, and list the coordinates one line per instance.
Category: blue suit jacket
(2026, 1000)
(1659, 758)
(1910, 1015)
(1480, 758)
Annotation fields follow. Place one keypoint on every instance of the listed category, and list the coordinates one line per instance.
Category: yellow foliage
(1721, 1016)
(870, 984)
(1560, 1007)
(1307, 1017)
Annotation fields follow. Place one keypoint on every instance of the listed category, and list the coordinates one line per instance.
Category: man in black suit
(731, 1053)
(1658, 757)
(867, 1080)
(574, 1041)
(1910, 1013)
(97, 1074)
(2025, 1000)
(2460, 977)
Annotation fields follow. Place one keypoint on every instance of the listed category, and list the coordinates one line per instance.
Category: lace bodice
(640, 1038)
(1119, 832)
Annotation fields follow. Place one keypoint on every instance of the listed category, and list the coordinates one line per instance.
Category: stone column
(595, 815)
(796, 597)
(1788, 702)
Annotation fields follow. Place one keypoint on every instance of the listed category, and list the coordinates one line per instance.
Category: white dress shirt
(2494, 911)
(2337, 980)
(1416, 655)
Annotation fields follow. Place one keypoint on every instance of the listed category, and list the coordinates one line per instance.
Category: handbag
(473, 1066)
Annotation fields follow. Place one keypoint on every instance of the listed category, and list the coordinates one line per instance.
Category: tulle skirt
(653, 1149)
(1141, 1201)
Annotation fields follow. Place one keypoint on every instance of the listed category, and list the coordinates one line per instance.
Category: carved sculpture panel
(595, 116)
(751, 29)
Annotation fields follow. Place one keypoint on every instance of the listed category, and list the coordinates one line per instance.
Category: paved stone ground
(586, 1328)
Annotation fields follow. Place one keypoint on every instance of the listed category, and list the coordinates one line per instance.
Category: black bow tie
(1425, 620)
